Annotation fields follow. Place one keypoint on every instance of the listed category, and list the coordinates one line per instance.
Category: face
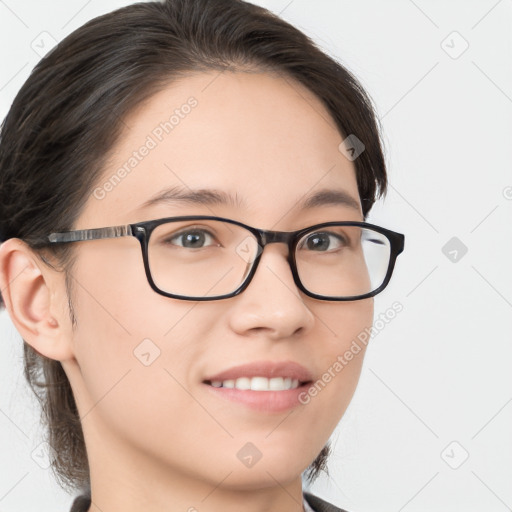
(270, 142)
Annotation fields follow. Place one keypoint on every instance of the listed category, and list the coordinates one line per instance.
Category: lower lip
(263, 401)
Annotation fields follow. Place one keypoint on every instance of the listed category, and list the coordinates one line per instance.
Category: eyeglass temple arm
(90, 234)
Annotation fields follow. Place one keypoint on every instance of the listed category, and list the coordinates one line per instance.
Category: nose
(271, 303)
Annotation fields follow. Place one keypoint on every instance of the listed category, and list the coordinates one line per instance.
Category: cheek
(134, 376)
(344, 325)
(340, 354)
(133, 346)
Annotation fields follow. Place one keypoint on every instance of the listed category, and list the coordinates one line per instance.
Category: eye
(323, 241)
(191, 239)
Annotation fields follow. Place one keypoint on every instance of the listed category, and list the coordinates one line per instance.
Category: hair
(68, 115)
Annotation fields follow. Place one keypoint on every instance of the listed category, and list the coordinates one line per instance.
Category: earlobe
(27, 292)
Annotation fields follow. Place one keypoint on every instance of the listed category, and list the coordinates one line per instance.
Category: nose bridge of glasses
(276, 237)
(272, 237)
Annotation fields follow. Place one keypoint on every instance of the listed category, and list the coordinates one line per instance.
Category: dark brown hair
(68, 115)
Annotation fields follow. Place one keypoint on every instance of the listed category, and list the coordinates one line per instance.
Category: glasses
(198, 257)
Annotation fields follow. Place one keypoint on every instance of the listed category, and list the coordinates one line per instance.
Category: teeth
(258, 383)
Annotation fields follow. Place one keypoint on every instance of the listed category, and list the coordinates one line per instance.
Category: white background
(436, 385)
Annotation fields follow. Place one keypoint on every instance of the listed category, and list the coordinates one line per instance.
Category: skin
(157, 439)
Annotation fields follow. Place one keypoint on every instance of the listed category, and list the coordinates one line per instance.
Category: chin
(261, 476)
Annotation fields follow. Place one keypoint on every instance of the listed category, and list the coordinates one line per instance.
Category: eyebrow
(213, 197)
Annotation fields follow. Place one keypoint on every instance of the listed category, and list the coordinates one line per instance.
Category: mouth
(263, 386)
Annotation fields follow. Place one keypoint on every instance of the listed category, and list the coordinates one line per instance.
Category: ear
(35, 297)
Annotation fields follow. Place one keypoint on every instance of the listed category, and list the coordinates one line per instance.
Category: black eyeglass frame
(142, 231)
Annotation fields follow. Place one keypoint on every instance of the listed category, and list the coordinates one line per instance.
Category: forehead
(265, 140)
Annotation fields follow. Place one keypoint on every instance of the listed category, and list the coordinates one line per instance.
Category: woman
(184, 188)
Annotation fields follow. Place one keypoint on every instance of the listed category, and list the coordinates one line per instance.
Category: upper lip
(267, 369)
